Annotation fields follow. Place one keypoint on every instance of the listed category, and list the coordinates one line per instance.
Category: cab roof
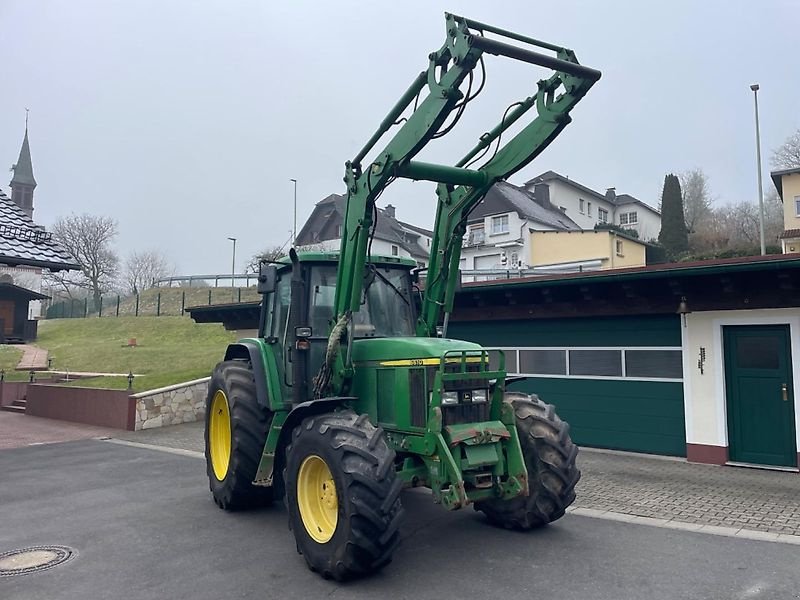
(333, 257)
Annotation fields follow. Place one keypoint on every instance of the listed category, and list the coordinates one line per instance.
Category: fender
(270, 468)
(251, 350)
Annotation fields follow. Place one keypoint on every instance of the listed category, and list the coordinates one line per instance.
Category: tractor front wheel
(236, 430)
(342, 495)
(550, 459)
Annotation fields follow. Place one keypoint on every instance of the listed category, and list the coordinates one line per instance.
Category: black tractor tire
(550, 459)
(249, 424)
(365, 531)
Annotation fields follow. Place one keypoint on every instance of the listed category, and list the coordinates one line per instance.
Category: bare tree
(271, 253)
(142, 269)
(696, 199)
(735, 227)
(787, 155)
(89, 240)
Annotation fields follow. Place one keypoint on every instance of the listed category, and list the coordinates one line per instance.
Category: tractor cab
(297, 310)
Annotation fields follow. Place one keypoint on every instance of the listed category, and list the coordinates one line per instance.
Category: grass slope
(9, 358)
(169, 349)
(170, 300)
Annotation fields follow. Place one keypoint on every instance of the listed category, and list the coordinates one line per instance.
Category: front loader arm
(436, 94)
(455, 203)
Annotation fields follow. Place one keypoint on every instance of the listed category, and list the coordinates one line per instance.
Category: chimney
(389, 210)
(541, 194)
(611, 195)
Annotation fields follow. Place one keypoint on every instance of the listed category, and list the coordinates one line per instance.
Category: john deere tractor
(352, 390)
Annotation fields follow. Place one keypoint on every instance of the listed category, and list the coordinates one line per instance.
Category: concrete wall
(171, 405)
(557, 247)
(11, 391)
(705, 402)
(105, 408)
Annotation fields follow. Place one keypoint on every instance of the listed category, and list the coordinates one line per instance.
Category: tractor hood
(406, 348)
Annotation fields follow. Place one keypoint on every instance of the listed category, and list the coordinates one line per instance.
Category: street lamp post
(294, 227)
(233, 269)
(754, 87)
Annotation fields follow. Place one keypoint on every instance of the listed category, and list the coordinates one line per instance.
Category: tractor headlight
(479, 395)
(449, 397)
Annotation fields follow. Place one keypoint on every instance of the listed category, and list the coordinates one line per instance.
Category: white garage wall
(704, 394)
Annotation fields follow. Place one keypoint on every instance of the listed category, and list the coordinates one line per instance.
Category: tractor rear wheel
(235, 433)
(550, 459)
(342, 495)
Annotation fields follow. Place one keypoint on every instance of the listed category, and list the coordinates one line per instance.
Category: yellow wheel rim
(219, 435)
(316, 498)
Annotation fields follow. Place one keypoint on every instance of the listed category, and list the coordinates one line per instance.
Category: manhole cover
(33, 559)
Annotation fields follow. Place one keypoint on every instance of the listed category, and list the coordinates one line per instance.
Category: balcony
(474, 238)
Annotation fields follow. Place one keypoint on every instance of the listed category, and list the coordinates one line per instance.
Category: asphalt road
(144, 527)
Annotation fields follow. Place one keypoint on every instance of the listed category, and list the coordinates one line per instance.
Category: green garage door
(616, 380)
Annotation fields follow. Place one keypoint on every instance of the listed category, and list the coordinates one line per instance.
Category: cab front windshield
(385, 302)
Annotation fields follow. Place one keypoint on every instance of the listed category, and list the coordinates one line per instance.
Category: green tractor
(352, 391)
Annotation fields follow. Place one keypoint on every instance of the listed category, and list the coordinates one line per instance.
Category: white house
(499, 228)
(587, 207)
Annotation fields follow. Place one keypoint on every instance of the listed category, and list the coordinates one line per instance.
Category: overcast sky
(185, 119)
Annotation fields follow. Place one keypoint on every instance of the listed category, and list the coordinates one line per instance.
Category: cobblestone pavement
(632, 484)
(17, 430)
(690, 493)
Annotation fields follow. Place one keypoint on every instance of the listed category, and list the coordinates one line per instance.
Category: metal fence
(154, 302)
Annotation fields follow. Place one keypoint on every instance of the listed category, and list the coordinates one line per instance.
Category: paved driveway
(145, 528)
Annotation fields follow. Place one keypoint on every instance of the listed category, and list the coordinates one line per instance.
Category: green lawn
(169, 349)
(9, 357)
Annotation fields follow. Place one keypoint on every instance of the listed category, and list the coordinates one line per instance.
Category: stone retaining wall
(171, 405)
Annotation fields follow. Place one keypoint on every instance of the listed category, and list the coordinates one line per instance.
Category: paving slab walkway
(33, 358)
(18, 430)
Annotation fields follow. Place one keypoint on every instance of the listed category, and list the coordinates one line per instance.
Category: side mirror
(267, 276)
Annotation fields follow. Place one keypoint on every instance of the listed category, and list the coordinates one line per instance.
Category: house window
(623, 218)
(477, 235)
(581, 207)
(619, 247)
(797, 206)
(589, 209)
(514, 260)
(633, 217)
(500, 224)
(395, 250)
(602, 215)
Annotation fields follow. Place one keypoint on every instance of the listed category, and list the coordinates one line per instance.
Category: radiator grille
(419, 397)
(457, 414)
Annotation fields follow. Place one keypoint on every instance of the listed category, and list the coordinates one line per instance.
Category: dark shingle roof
(23, 170)
(24, 243)
(617, 200)
(789, 233)
(329, 212)
(504, 197)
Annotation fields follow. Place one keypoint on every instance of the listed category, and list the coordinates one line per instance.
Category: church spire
(23, 170)
(23, 183)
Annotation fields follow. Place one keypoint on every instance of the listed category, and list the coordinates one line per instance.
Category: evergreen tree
(674, 236)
